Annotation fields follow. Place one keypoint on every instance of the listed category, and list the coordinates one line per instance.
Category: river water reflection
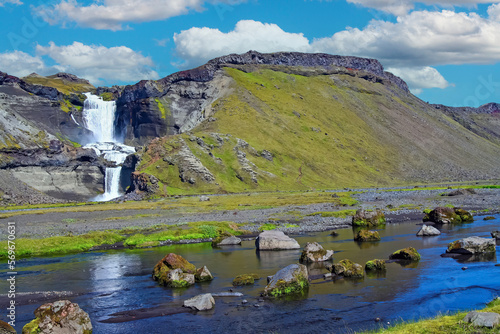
(120, 280)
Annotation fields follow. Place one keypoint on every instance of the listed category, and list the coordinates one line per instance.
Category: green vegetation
(161, 108)
(267, 227)
(291, 225)
(444, 324)
(64, 86)
(107, 96)
(246, 279)
(284, 288)
(375, 265)
(407, 254)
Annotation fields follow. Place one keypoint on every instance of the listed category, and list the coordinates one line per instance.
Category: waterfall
(99, 118)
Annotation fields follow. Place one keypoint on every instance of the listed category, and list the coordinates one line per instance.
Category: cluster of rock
(176, 272)
(445, 215)
(472, 245)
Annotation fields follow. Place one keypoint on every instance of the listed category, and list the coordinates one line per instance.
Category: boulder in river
(483, 319)
(292, 279)
(5, 328)
(174, 271)
(366, 235)
(368, 218)
(60, 317)
(472, 245)
(226, 240)
(314, 252)
(445, 215)
(275, 240)
(201, 302)
(428, 230)
(375, 265)
(495, 234)
(203, 275)
(407, 254)
(347, 268)
(246, 279)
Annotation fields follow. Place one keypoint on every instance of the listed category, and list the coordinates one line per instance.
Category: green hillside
(307, 129)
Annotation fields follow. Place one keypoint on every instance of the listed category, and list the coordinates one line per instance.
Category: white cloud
(20, 64)
(421, 39)
(197, 45)
(494, 12)
(403, 7)
(100, 64)
(420, 77)
(112, 14)
(15, 2)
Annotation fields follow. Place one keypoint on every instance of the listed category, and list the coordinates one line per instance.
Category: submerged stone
(292, 279)
(366, 235)
(246, 279)
(226, 240)
(201, 302)
(375, 265)
(203, 275)
(427, 230)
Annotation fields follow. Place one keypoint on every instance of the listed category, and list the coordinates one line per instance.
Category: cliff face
(181, 101)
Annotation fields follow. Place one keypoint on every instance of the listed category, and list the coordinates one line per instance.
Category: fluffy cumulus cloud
(113, 14)
(15, 2)
(494, 12)
(420, 77)
(98, 63)
(402, 7)
(197, 45)
(20, 64)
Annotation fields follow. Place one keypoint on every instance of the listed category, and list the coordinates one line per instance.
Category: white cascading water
(99, 117)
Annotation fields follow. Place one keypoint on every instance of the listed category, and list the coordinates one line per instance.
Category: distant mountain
(282, 121)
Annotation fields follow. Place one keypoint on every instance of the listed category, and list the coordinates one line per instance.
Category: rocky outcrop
(406, 254)
(368, 218)
(461, 192)
(275, 240)
(445, 215)
(366, 235)
(314, 252)
(201, 302)
(143, 183)
(60, 317)
(472, 245)
(347, 268)
(428, 231)
(292, 279)
(483, 319)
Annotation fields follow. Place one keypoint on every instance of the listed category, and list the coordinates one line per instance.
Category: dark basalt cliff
(181, 101)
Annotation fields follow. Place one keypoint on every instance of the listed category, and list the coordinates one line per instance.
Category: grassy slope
(64, 86)
(325, 132)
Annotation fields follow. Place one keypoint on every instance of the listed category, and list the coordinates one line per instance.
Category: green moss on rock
(446, 215)
(368, 218)
(246, 279)
(366, 235)
(375, 265)
(348, 268)
(408, 254)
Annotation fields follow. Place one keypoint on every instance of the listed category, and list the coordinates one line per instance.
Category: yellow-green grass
(131, 237)
(64, 86)
(444, 324)
(246, 201)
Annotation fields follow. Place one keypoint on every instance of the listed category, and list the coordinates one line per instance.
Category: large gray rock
(445, 215)
(314, 252)
(201, 302)
(60, 317)
(203, 275)
(472, 245)
(289, 280)
(483, 319)
(232, 240)
(275, 240)
(428, 231)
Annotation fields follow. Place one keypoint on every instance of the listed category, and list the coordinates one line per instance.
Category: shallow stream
(114, 281)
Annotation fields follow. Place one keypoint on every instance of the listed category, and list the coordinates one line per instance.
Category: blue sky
(448, 51)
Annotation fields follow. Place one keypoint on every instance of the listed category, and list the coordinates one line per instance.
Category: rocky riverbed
(399, 205)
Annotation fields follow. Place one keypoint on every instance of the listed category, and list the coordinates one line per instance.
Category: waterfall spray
(99, 117)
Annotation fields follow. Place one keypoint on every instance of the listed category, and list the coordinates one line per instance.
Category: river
(107, 282)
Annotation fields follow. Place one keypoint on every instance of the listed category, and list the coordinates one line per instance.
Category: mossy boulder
(347, 268)
(246, 279)
(5, 328)
(375, 265)
(59, 317)
(445, 215)
(293, 279)
(225, 239)
(314, 252)
(203, 275)
(366, 235)
(174, 271)
(489, 218)
(407, 254)
(472, 245)
(368, 218)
